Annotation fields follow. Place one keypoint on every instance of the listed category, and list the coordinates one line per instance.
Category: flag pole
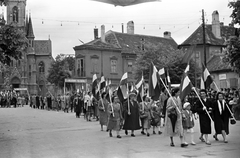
(111, 104)
(129, 112)
(170, 95)
(202, 104)
(101, 100)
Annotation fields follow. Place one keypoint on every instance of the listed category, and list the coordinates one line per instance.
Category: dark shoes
(118, 136)
(184, 145)
(143, 133)
(154, 132)
(148, 134)
(132, 135)
(201, 138)
(215, 137)
(172, 145)
(159, 132)
(126, 132)
(110, 134)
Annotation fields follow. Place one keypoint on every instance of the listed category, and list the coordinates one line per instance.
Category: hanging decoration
(126, 2)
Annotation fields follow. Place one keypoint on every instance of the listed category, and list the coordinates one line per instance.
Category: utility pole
(204, 39)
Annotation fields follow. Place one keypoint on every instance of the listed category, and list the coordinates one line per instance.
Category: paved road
(32, 133)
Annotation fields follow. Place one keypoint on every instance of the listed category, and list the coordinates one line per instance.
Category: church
(31, 71)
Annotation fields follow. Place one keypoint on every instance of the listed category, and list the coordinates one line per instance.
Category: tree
(60, 70)
(171, 60)
(232, 54)
(12, 43)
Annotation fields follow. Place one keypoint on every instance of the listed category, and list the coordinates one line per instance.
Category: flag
(94, 84)
(187, 56)
(185, 87)
(122, 91)
(202, 85)
(154, 89)
(162, 74)
(139, 87)
(207, 77)
(187, 69)
(102, 83)
(124, 79)
(168, 79)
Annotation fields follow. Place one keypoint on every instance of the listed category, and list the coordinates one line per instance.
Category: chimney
(167, 34)
(130, 27)
(103, 33)
(216, 24)
(95, 33)
(122, 28)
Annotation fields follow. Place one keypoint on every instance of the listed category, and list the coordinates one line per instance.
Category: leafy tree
(60, 70)
(233, 43)
(171, 60)
(12, 43)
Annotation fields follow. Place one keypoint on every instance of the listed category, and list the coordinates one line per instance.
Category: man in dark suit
(204, 119)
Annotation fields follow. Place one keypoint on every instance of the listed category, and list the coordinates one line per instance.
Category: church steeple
(30, 34)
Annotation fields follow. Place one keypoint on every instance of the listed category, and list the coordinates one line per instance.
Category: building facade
(216, 35)
(115, 53)
(31, 71)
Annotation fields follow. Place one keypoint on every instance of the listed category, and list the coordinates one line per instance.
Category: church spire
(30, 34)
(26, 24)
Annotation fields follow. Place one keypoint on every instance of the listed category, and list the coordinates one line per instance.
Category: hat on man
(133, 93)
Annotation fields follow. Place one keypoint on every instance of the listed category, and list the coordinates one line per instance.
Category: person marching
(221, 117)
(115, 118)
(205, 121)
(173, 118)
(188, 121)
(78, 104)
(131, 113)
(103, 110)
(157, 116)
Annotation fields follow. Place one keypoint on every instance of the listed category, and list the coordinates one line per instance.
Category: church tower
(16, 12)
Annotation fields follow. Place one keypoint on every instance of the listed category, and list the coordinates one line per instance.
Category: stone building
(31, 71)
(114, 53)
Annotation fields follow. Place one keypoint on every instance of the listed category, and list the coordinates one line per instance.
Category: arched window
(15, 14)
(41, 67)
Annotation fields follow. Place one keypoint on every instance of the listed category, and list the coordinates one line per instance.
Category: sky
(67, 23)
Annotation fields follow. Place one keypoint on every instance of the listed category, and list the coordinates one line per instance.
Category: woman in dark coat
(103, 110)
(221, 117)
(78, 104)
(205, 121)
(131, 111)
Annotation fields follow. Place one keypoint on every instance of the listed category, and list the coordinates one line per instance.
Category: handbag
(143, 115)
(232, 121)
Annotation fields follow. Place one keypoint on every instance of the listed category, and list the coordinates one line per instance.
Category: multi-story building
(31, 71)
(114, 53)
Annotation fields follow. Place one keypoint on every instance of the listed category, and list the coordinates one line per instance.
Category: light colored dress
(178, 128)
(114, 121)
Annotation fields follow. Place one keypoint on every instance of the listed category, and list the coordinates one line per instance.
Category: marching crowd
(177, 116)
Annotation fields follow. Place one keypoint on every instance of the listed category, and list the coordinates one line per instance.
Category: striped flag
(102, 83)
(162, 74)
(188, 55)
(207, 78)
(139, 86)
(185, 87)
(187, 68)
(154, 88)
(94, 84)
(122, 91)
(168, 79)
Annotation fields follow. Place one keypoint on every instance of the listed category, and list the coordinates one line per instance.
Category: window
(15, 14)
(94, 62)
(113, 66)
(130, 66)
(29, 71)
(41, 67)
(80, 67)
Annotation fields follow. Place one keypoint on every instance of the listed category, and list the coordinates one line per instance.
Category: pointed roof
(26, 24)
(197, 36)
(30, 33)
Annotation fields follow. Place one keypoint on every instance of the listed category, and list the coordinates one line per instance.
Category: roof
(42, 47)
(197, 36)
(96, 44)
(216, 63)
(134, 43)
(30, 33)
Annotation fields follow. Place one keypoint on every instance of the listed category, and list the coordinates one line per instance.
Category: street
(35, 133)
